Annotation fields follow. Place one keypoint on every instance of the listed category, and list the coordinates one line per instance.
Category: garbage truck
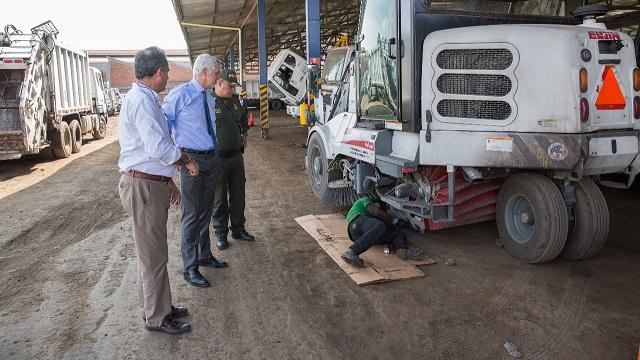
(454, 112)
(49, 96)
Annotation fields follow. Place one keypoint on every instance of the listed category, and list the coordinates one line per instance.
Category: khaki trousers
(147, 202)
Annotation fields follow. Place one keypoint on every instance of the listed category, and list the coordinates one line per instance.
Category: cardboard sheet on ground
(330, 231)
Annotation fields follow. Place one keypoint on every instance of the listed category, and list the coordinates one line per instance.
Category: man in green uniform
(231, 133)
(367, 225)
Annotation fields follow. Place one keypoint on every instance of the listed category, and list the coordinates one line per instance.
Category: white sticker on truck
(502, 144)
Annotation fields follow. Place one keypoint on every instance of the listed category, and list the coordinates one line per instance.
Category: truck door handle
(390, 49)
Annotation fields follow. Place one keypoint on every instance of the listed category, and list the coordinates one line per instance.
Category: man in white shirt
(148, 162)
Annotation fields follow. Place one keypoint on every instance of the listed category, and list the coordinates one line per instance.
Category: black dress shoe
(171, 326)
(179, 311)
(213, 262)
(194, 278)
(242, 234)
(176, 312)
(222, 242)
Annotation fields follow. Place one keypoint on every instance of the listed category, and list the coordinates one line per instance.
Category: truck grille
(474, 109)
(474, 59)
(474, 84)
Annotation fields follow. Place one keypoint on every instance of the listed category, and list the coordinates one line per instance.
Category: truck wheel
(101, 131)
(277, 105)
(317, 166)
(62, 140)
(591, 222)
(76, 136)
(532, 218)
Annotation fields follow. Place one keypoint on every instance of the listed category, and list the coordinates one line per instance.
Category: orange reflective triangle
(610, 97)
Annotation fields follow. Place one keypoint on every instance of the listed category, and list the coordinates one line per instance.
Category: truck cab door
(378, 69)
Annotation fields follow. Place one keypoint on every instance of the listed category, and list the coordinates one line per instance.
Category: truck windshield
(333, 65)
(517, 7)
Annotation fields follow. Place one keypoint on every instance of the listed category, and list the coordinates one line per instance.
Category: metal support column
(312, 8)
(262, 55)
(313, 31)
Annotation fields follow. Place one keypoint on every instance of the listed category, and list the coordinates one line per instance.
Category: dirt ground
(68, 279)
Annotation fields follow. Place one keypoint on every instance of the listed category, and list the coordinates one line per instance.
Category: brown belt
(141, 175)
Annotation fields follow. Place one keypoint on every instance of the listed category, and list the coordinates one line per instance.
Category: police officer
(231, 133)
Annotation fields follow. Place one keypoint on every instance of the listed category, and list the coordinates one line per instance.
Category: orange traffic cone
(251, 121)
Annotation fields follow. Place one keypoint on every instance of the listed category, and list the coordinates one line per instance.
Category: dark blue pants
(366, 231)
(197, 207)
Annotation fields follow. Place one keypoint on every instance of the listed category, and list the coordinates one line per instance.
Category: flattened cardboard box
(330, 231)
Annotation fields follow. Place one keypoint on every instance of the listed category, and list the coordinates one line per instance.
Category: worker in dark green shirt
(231, 134)
(367, 225)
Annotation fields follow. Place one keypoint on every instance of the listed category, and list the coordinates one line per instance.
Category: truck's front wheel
(532, 218)
(591, 228)
(317, 166)
(62, 141)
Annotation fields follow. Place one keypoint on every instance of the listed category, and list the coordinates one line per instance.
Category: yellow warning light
(610, 97)
(636, 79)
(584, 80)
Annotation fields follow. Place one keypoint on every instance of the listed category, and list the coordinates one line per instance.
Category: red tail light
(636, 107)
(584, 110)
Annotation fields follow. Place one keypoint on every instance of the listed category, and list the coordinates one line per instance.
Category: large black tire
(76, 136)
(320, 176)
(101, 131)
(317, 166)
(532, 218)
(277, 105)
(591, 227)
(62, 141)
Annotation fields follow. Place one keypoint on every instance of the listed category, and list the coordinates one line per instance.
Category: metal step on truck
(454, 112)
(49, 96)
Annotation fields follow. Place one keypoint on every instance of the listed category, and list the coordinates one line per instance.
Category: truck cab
(98, 91)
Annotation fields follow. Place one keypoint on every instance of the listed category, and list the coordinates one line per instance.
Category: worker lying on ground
(367, 225)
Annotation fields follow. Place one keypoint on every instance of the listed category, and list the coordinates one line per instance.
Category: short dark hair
(148, 61)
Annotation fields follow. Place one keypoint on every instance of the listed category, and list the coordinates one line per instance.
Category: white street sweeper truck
(455, 112)
(49, 96)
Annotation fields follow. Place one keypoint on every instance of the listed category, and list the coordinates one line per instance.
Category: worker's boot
(222, 242)
(242, 234)
(352, 258)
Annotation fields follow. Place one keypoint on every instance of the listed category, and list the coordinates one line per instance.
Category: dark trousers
(229, 200)
(197, 206)
(366, 231)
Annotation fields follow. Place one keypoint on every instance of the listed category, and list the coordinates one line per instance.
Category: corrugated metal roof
(285, 25)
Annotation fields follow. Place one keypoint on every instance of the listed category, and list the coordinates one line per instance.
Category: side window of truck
(378, 65)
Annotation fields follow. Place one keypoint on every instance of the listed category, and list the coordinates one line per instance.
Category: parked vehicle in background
(276, 98)
(113, 100)
(49, 96)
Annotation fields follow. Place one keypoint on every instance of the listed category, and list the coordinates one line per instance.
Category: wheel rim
(520, 219)
(317, 173)
(102, 127)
